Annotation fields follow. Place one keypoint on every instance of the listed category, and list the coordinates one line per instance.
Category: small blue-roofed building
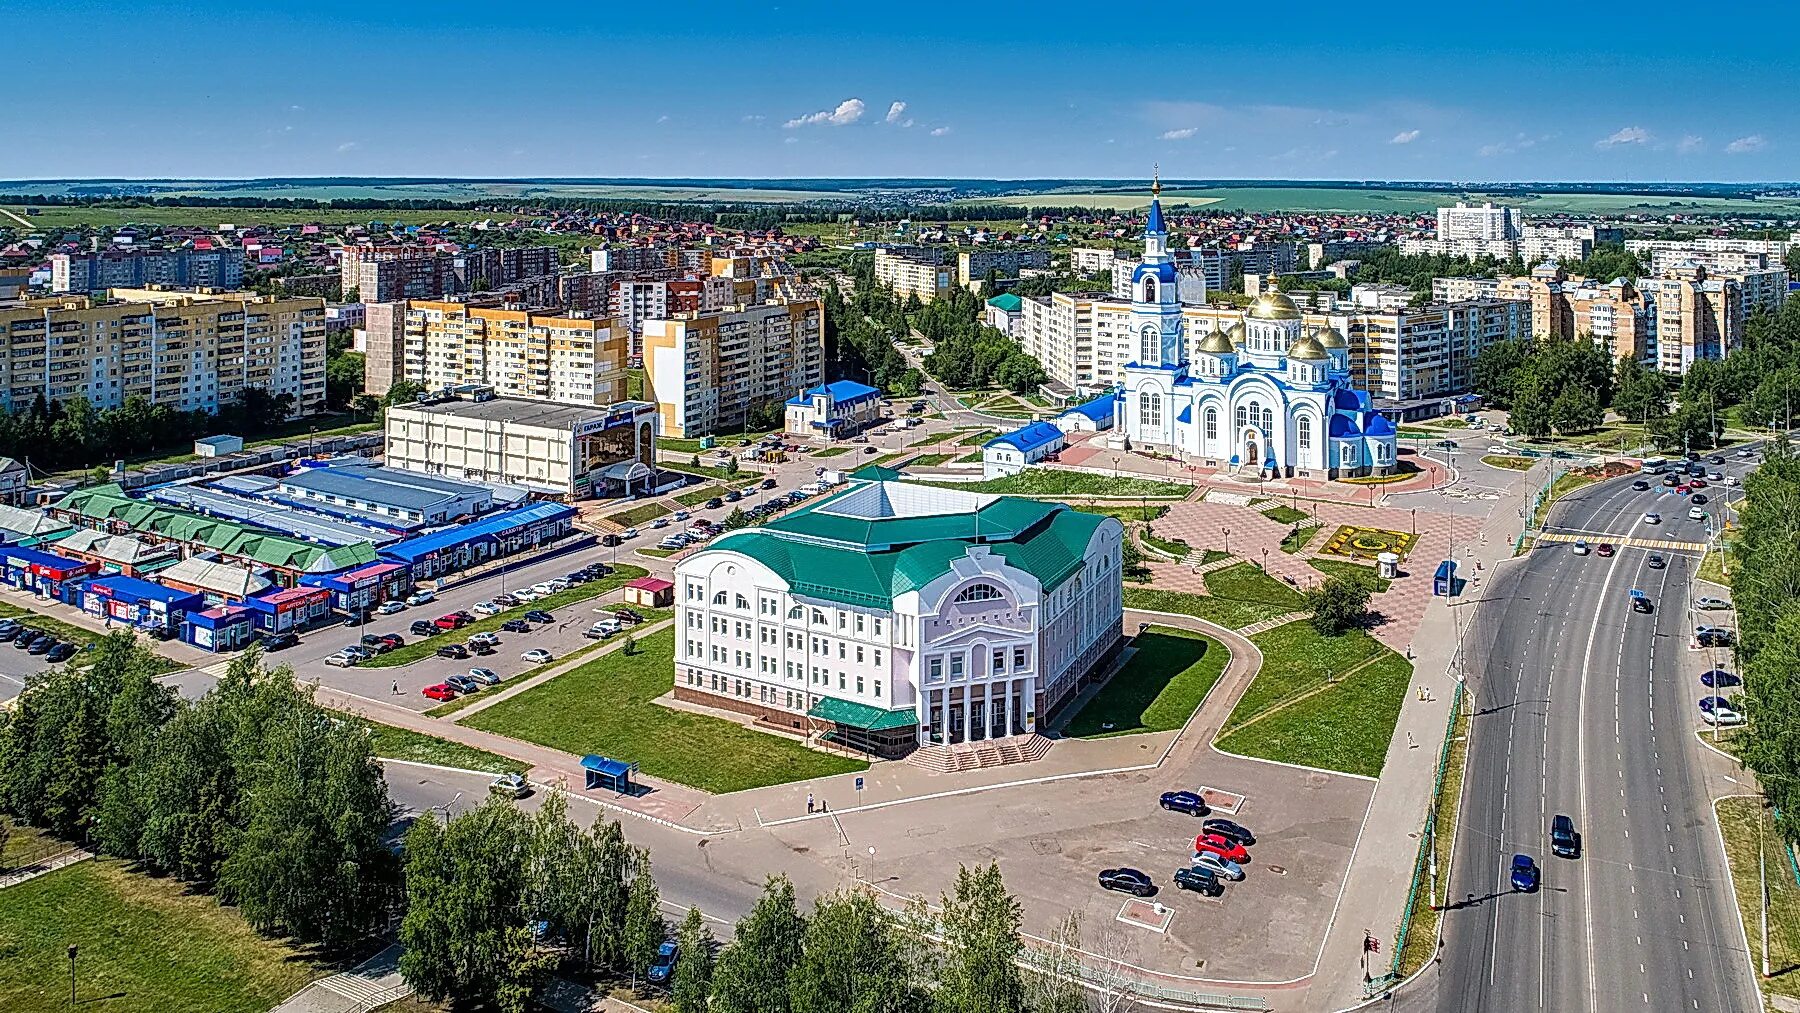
(499, 534)
(1093, 417)
(833, 410)
(1013, 452)
(143, 604)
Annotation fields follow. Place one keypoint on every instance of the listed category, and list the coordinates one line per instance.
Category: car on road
(664, 964)
(1446, 444)
(1746, 453)
(1640, 602)
(1696, 482)
(1696, 514)
(768, 483)
(733, 496)
(61, 652)
(516, 626)
(1640, 485)
(609, 539)
(1564, 841)
(714, 503)
(423, 628)
(1715, 459)
(1222, 846)
(1230, 831)
(660, 522)
(1718, 678)
(462, 683)
(1699, 499)
(421, 598)
(537, 656)
(1185, 802)
(1653, 518)
(1605, 549)
(1579, 547)
(489, 608)
(540, 616)
(1127, 881)
(278, 641)
(510, 786)
(1670, 481)
(1656, 561)
(388, 608)
(1718, 711)
(485, 676)
(1730, 480)
(628, 534)
(1524, 874)
(1707, 602)
(356, 618)
(1200, 881)
(682, 515)
(340, 660)
(439, 691)
(1218, 865)
(456, 651)
(1717, 477)
(1682, 489)
(489, 639)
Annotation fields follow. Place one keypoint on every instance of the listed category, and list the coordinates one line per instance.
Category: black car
(42, 645)
(714, 503)
(1564, 841)
(540, 616)
(1229, 830)
(25, 637)
(628, 616)
(278, 641)
(1640, 485)
(1185, 802)
(1128, 881)
(1671, 481)
(1657, 562)
(480, 647)
(1721, 638)
(10, 633)
(1698, 499)
(423, 628)
(516, 626)
(457, 651)
(577, 577)
(768, 483)
(1642, 605)
(1200, 881)
(356, 619)
(61, 652)
(1715, 459)
(733, 496)
(609, 539)
(596, 570)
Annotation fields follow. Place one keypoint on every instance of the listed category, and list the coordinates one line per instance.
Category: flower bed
(1368, 543)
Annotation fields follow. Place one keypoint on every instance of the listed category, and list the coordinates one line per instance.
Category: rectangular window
(1018, 657)
(999, 659)
(956, 665)
(859, 684)
(877, 621)
(840, 680)
(843, 620)
(877, 687)
(841, 651)
(937, 668)
(877, 657)
(859, 654)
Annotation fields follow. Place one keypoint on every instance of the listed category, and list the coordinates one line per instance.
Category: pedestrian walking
(809, 802)
(396, 689)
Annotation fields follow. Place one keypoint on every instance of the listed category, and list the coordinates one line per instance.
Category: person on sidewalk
(396, 689)
(809, 803)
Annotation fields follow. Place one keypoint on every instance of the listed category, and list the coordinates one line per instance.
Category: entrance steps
(959, 756)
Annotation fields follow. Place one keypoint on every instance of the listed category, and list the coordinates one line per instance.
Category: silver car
(1711, 603)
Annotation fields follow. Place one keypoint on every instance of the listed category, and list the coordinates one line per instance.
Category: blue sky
(1406, 90)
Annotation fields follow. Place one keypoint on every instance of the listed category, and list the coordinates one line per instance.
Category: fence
(1422, 864)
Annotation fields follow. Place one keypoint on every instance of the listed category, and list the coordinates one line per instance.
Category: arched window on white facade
(719, 599)
(1149, 289)
(1268, 421)
(796, 613)
(1303, 432)
(979, 592)
(1243, 418)
(1150, 347)
(1150, 409)
(1212, 423)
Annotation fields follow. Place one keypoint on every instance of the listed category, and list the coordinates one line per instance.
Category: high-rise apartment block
(388, 273)
(1484, 221)
(104, 269)
(1666, 321)
(383, 345)
(188, 351)
(913, 270)
(531, 356)
(707, 370)
(972, 266)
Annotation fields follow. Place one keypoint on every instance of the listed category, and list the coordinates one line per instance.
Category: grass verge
(1509, 462)
(1346, 570)
(638, 514)
(426, 647)
(1712, 567)
(1298, 659)
(1174, 548)
(1422, 929)
(145, 944)
(1296, 539)
(1285, 514)
(1145, 513)
(1056, 482)
(1564, 484)
(1247, 582)
(930, 460)
(1346, 726)
(699, 495)
(608, 706)
(936, 438)
(1743, 821)
(1227, 612)
(405, 744)
(831, 451)
(1158, 689)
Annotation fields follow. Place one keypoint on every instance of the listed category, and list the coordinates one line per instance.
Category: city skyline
(338, 90)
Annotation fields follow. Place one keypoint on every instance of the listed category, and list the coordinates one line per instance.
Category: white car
(537, 656)
(1580, 547)
(1696, 514)
(340, 661)
(1223, 868)
(526, 594)
(660, 522)
(388, 608)
(1729, 480)
(490, 639)
(488, 608)
(682, 515)
(1653, 518)
(628, 534)
(543, 588)
(420, 598)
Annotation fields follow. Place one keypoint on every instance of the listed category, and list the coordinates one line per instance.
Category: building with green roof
(892, 615)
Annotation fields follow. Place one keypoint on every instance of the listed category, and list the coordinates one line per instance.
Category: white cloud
(1178, 135)
(895, 111)
(347, 146)
(664, 118)
(1405, 137)
(790, 140)
(1519, 143)
(848, 111)
(940, 131)
(1745, 145)
(1624, 135)
(752, 118)
(295, 109)
(1690, 144)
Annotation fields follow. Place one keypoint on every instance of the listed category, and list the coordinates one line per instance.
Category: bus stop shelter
(613, 775)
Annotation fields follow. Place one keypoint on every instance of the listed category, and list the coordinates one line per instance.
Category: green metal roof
(861, 715)
(104, 503)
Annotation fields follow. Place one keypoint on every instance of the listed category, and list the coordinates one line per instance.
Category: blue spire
(1154, 227)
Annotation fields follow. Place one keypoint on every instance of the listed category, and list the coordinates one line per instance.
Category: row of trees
(1562, 385)
(968, 353)
(1765, 583)
(73, 433)
(862, 332)
(254, 791)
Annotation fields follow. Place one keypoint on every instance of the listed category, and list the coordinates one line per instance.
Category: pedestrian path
(1268, 624)
(34, 870)
(374, 983)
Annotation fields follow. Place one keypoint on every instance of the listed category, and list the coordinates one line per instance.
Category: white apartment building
(913, 270)
(1086, 261)
(533, 356)
(707, 370)
(1484, 222)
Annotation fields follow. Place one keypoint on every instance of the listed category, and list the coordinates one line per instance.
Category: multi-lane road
(1582, 706)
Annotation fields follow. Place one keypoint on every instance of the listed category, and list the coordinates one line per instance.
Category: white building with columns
(893, 615)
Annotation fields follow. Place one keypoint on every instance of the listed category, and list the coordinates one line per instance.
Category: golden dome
(1328, 337)
(1274, 305)
(1235, 333)
(1307, 347)
(1217, 343)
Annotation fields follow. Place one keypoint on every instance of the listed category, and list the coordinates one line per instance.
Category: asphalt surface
(1584, 707)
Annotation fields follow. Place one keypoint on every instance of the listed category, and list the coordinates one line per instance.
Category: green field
(1343, 569)
(1247, 582)
(1158, 688)
(608, 706)
(426, 647)
(144, 944)
(1346, 727)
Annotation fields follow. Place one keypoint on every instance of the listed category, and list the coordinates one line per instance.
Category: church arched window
(979, 592)
(1268, 420)
(1150, 409)
(1303, 432)
(1149, 289)
(1212, 423)
(1150, 347)
(1243, 417)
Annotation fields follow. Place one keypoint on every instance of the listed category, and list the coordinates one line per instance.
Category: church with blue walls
(1264, 398)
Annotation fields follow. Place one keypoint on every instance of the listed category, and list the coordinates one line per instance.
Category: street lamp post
(1227, 533)
(73, 949)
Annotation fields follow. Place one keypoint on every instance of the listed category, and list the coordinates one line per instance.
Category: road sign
(859, 784)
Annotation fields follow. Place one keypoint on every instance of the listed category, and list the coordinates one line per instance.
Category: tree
(851, 962)
(981, 924)
(694, 969)
(730, 467)
(1576, 410)
(402, 392)
(1772, 686)
(1338, 605)
(1497, 370)
(1055, 987)
(736, 519)
(1642, 393)
(752, 972)
(464, 885)
(629, 646)
(644, 928)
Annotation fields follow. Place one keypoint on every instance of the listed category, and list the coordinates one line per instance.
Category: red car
(1682, 490)
(441, 691)
(452, 621)
(1605, 549)
(1696, 483)
(1221, 846)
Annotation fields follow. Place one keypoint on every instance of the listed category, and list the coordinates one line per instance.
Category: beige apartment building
(194, 352)
(706, 370)
(531, 356)
(911, 270)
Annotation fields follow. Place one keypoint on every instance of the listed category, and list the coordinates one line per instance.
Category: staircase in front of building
(942, 759)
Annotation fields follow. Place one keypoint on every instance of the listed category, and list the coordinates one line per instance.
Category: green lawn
(405, 744)
(1158, 688)
(831, 452)
(1346, 727)
(638, 514)
(1742, 820)
(699, 495)
(1056, 482)
(1713, 566)
(1346, 570)
(977, 437)
(706, 471)
(1296, 660)
(658, 552)
(145, 944)
(1285, 514)
(1247, 582)
(1565, 483)
(1227, 612)
(1147, 512)
(607, 706)
(1167, 546)
(1509, 462)
(1296, 539)
(936, 438)
(930, 460)
(426, 647)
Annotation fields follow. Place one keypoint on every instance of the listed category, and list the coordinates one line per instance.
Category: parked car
(423, 628)
(1656, 561)
(1717, 710)
(1714, 636)
(505, 600)
(1718, 678)
(25, 636)
(278, 641)
(600, 630)
(480, 647)
(547, 587)
(59, 653)
(485, 676)
(462, 683)
(490, 639)
(340, 660)
(489, 608)
(628, 616)
(1218, 865)
(664, 964)
(1564, 841)
(510, 786)
(356, 618)
(1230, 831)
(1184, 802)
(388, 608)
(516, 626)
(376, 644)
(449, 622)
(714, 503)
(1605, 549)
(1707, 602)
(457, 651)
(1200, 881)
(420, 598)
(576, 577)
(1127, 881)
(439, 691)
(42, 645)
(1524, 874)
(540, 616)
(357, 651)
(8, 632)
(1221, 846)
(537, 656)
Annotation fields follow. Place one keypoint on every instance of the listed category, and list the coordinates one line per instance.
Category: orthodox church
(1264, 398)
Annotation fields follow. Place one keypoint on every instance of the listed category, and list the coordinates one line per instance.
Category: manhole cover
(1316, 780)
(1278, 870)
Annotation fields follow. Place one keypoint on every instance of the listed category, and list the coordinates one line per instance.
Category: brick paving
(1098, 458)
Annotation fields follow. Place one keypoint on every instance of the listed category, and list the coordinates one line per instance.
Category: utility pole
(1762, 887)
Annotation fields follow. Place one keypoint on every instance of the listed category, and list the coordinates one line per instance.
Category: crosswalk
(1592, 537)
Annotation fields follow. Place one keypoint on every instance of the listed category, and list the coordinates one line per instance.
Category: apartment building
(1086, 261)
(190, 352)
(1203, 269)
(383, 344)
(389, 273)
(125, 268)
(913, 270)
(1327, 251)
(520, 354)
(972, 266)
(1483, 221)
(1666, 321)
(1774, 249)
(707, 370)
(1692, 316)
